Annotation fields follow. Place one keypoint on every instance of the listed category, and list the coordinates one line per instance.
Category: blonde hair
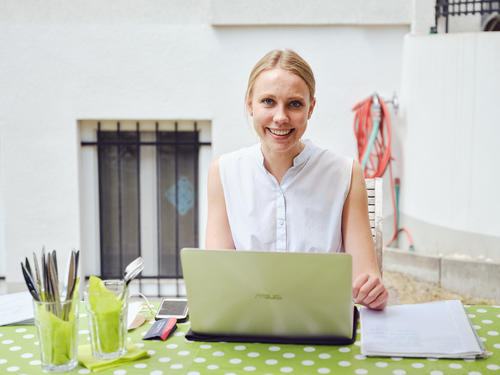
(287, 60)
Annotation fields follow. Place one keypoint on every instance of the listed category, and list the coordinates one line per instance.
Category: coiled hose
(372, 128)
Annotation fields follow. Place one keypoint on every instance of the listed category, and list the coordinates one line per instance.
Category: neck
(278, 163)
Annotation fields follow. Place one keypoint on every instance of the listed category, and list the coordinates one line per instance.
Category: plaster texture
(62, 70)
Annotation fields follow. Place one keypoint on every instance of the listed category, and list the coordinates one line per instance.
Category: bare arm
(218, 234)
(368, 288)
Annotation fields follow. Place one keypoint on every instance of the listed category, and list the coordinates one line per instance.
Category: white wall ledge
(308, 13)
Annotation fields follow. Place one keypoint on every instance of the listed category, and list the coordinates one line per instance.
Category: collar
(300, 159)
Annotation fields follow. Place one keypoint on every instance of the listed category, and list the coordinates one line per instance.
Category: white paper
(435, 329)
(15, 308)
(134, 308)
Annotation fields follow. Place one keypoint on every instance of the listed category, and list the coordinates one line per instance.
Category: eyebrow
(293, 97)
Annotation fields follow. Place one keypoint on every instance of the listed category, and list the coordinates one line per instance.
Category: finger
(374, 293)
(368, 286)
(380, 302)
(358, 283)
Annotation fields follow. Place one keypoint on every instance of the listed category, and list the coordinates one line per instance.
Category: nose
(280, 116)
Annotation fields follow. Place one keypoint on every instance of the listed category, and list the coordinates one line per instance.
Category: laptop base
(300, 340)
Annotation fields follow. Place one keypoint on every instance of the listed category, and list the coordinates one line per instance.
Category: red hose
(380, 154)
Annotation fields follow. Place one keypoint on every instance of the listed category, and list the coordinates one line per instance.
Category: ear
(250, 107)
(311, 108)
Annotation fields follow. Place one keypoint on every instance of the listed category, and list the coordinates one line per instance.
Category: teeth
(280, 132)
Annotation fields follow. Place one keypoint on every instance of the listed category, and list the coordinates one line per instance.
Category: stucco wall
(451, 136)
(59, 69)
(190, 59)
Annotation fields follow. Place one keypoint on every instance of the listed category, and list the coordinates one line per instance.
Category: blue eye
(267, 101)
(295, 104)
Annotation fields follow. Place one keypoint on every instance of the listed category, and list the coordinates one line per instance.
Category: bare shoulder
(215, 188)
(213, 172)
(214, 166)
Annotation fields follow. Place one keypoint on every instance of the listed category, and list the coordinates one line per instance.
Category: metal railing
(169, 145)
(450, 8)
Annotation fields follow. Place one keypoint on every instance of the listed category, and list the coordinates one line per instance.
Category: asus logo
(268, 296)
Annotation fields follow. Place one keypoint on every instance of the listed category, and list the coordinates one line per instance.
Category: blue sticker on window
(185, 198)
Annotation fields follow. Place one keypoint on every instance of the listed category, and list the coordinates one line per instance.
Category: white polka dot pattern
(19, 355)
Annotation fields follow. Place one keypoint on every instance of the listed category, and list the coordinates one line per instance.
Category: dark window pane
(177, 208)
(177, 168)
(119, 202)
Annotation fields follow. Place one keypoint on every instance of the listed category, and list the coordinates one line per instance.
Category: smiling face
(280, 105)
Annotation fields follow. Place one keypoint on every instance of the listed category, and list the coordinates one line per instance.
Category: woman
(286, 194)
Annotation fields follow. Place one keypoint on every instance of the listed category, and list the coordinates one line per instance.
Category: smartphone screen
(172, 308)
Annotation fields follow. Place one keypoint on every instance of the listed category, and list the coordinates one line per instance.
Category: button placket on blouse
(280, 221)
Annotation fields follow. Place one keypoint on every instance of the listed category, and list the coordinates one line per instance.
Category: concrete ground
(404, 289)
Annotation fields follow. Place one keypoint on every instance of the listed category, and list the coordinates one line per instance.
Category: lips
(280, 132)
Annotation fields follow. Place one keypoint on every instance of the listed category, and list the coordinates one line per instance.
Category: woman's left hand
(369, 291)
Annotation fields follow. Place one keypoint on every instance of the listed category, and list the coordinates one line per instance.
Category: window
(140, 188)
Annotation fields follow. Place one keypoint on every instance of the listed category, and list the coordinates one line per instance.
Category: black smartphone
(173, 308)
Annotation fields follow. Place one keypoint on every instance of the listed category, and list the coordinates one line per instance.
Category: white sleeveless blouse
(303, 214)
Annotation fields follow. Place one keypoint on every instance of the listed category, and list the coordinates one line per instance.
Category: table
(19, 354)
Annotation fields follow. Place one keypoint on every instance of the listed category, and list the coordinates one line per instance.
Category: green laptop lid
(254, 293)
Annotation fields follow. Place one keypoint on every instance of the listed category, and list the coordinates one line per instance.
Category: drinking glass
(107, 313)
(56, 324)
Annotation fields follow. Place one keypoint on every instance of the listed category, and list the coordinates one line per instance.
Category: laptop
(257, 296)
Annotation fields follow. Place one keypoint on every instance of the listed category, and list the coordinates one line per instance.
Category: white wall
(2, 209)
(299, 12)
(450, 99)
(61, 69)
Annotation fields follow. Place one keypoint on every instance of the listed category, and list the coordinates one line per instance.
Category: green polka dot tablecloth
(19, 355)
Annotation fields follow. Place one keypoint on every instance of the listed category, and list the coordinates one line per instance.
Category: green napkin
(58, 336)
(85, 357)
(106, 309)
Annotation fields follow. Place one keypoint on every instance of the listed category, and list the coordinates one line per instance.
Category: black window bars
(447, 8)
(119, 181)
